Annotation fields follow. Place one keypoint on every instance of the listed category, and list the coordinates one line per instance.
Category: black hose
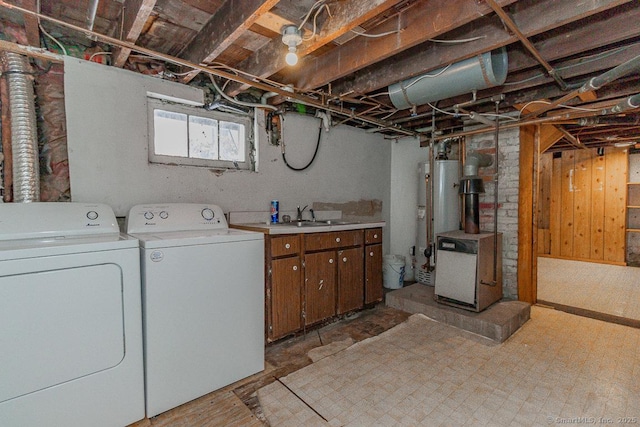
(312, 159)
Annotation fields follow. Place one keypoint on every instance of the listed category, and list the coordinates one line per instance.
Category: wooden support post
(527, 223)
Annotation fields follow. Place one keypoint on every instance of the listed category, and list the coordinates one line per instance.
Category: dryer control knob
(92, 215)
(148, 215)
(164, 214)
(207, 214)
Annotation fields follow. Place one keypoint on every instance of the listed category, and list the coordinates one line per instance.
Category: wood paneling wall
(582, 205)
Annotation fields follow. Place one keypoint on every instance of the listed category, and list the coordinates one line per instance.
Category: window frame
(249, 147)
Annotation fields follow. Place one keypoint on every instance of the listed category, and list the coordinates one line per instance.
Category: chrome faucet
(300, 212)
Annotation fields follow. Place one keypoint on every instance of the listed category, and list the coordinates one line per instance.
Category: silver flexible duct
(24, 135)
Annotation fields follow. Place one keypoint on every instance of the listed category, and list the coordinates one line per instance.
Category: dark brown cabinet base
(315, 276)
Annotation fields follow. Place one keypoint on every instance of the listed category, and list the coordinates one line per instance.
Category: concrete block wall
(508, 178)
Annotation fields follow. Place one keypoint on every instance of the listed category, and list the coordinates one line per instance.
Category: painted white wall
(108, 154)
(406, 153)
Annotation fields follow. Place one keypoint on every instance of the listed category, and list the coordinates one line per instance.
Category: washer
(203, 301)
(70, 310)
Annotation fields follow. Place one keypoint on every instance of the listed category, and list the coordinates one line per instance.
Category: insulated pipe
(24, 135)
(480, 72)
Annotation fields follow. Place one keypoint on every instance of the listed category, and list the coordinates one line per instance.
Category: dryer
(70, 310)
(203, 301)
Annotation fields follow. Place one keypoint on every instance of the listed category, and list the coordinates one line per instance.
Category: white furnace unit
(71, 334)
(465, 271)
(203, 301)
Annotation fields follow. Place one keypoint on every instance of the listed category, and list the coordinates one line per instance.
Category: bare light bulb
(291, 58)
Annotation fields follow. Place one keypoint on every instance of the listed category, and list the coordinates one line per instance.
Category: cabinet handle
(375, 236)
(287, 246)
(295, 268)
(337, 240)
(370, 253)
(330, 260)
(344, 259)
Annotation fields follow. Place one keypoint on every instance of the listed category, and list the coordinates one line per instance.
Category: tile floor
(557, 369)
(603, 288)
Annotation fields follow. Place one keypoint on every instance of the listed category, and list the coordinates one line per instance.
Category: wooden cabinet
(284, 285)
(320, 286)
(315, 276)
(350, 280)
(373, 265)
(335, 271)
(286, 296)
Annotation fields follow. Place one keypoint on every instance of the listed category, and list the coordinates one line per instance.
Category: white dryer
(203, 301)
(70, 310)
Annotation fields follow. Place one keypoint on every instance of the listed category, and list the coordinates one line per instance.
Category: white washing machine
(70, 316)
(203, 301)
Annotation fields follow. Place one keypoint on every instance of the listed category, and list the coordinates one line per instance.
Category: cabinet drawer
(338, 239)
(372, 235)
(285, 245)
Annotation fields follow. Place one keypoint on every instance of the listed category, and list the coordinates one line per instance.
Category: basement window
(192, 136)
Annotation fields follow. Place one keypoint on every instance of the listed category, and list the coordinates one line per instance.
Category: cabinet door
(286, 296)
(350, 280)
(320, 286)
(373, 274)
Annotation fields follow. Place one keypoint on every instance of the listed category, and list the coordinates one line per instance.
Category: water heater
(438, 205)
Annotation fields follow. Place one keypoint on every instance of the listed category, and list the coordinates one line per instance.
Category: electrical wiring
(471, 39)
(592, 110)
(62, 48)
(446, 112)
(97, 54)
(364, 34)
(426, 76)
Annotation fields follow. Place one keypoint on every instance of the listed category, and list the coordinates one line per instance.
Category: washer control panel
(167, 217)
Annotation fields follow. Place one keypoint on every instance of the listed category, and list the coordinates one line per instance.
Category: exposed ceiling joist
(136, 13)
(225, 27)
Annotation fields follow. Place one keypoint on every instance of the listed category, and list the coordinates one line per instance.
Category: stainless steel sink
(319, 223)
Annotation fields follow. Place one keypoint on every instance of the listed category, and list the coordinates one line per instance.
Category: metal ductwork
(480, 72)
(471, 185)
(24, 135)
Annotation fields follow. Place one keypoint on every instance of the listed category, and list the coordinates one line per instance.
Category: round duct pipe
(480, 72)
(24, 134)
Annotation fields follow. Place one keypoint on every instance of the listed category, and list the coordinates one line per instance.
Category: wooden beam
(30, 51)
(225, 27)
(31, 27)
(136, 13)
(537, 18)
(527, 227)
(548, 133)
(345, 16)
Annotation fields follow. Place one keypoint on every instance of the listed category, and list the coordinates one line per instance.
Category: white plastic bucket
(393, 271)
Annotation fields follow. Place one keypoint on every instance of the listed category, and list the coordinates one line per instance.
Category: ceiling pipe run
(480, 72)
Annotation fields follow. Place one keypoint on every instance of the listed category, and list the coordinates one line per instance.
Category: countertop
(318, 227)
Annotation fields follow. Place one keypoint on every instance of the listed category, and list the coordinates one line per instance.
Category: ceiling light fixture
(292, 37)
